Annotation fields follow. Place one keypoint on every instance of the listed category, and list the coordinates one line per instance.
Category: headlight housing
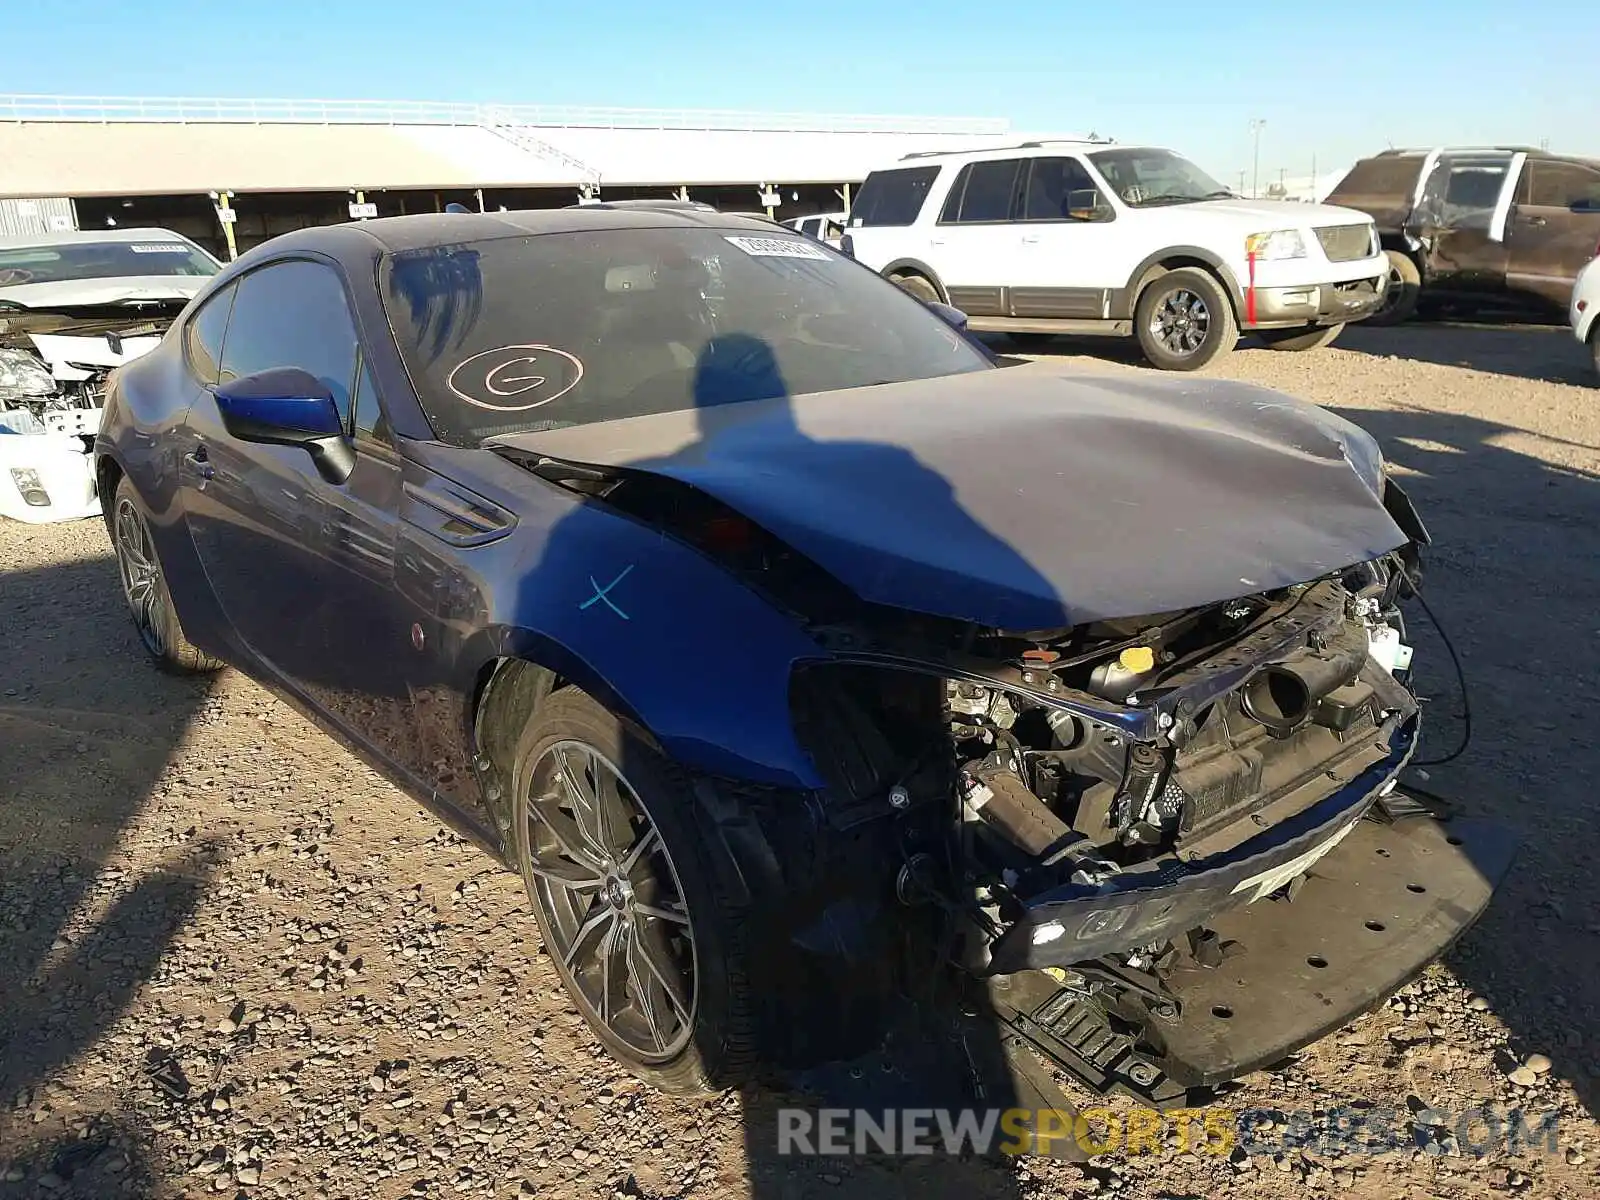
(22, 375)
(1280, 243)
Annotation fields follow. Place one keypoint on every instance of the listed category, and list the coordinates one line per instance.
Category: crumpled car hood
(86, 293)
(1028, 497)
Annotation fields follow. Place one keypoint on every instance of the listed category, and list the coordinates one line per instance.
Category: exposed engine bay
(1124, 751)
(53, 370)
(75, 306)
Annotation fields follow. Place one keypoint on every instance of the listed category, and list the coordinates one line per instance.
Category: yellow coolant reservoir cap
(1137, 659)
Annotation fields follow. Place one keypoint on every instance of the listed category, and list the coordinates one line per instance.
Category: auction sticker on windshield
(771, 247)
(159, 248)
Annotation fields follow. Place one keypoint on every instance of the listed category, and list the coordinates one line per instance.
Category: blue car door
(301, 568)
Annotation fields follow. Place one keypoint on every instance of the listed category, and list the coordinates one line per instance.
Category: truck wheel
(1310, 339)
(1405, 285)
(919, 286)
(629, 898)
(144, 587)
(1183, 321)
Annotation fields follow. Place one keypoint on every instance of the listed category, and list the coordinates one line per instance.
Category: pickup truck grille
(1346, 243)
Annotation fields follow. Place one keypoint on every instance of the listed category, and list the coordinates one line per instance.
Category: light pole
(1256, 125)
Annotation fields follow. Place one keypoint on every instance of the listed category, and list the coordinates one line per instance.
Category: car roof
(425, 230)
(1530, 151)
(90, 236)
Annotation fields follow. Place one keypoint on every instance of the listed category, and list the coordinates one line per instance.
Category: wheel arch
(507, 690)
(108, 473)
(1173, 258)
(915, 266)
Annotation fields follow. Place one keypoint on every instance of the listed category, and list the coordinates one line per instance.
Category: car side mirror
(950, 315)
(1085, 205)
(285, 406)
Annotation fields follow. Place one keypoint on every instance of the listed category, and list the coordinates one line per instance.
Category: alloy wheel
(614, 908)
(1181, 322)
(140, 571)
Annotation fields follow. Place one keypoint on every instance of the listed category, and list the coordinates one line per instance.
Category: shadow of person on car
(1512, 574)
(851, 1000)
(86, 728)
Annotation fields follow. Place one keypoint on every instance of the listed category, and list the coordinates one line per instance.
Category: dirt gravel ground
(234, 961)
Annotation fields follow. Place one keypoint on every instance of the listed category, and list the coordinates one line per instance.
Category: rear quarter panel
(143, 434)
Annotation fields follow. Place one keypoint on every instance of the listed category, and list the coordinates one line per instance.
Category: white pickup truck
(1090, 237)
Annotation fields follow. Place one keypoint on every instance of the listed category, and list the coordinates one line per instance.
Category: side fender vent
(453, 514)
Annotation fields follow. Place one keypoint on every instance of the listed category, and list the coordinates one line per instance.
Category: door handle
(201, 462)
(1535, 220)
(1030, 239)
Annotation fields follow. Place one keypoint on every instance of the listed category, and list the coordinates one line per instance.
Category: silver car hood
(1028, 497)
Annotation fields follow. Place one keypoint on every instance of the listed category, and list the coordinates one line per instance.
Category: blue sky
(1334, 79)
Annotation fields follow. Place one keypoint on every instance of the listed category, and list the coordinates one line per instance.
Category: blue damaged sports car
(788, 641)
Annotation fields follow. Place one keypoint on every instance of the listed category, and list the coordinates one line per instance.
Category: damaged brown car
(1478, 227)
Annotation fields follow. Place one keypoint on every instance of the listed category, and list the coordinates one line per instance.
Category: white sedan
(1585, 309)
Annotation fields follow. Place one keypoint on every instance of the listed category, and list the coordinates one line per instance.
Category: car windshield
(102, 260)
(1149, 178)
(540, 332)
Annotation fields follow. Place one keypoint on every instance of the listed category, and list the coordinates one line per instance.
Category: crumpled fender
(617, 608)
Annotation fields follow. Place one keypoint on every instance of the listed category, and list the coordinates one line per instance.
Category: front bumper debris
(1317, 304)
(1371, 915)
(1073, 924)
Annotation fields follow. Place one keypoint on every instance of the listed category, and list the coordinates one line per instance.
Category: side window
(986, 191)
(1564, 185)
(369, 419)
(1464, 190)
(1051, 184)
(294, 314)
(892, 197)
(202, 337)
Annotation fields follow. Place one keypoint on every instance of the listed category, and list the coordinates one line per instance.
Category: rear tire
(144, 587)
(1405, 286)
(630, 898)
(919, 286)
(1311, 339)
(1183, 321)
(1594, 350)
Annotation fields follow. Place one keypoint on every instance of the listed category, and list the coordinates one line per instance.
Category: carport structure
(232, 173)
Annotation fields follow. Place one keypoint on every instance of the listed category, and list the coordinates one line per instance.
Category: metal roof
(110, 146)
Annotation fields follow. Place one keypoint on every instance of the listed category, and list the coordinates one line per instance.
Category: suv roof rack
(1034, 144)
(1399, 150)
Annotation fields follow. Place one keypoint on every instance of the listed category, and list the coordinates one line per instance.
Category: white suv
(1088, 237)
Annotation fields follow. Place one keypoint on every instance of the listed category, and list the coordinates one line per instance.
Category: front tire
(919, 286)
(630, 898)
(1312, 339)
(144, 587)
(1184, 321)
(1405, 287)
